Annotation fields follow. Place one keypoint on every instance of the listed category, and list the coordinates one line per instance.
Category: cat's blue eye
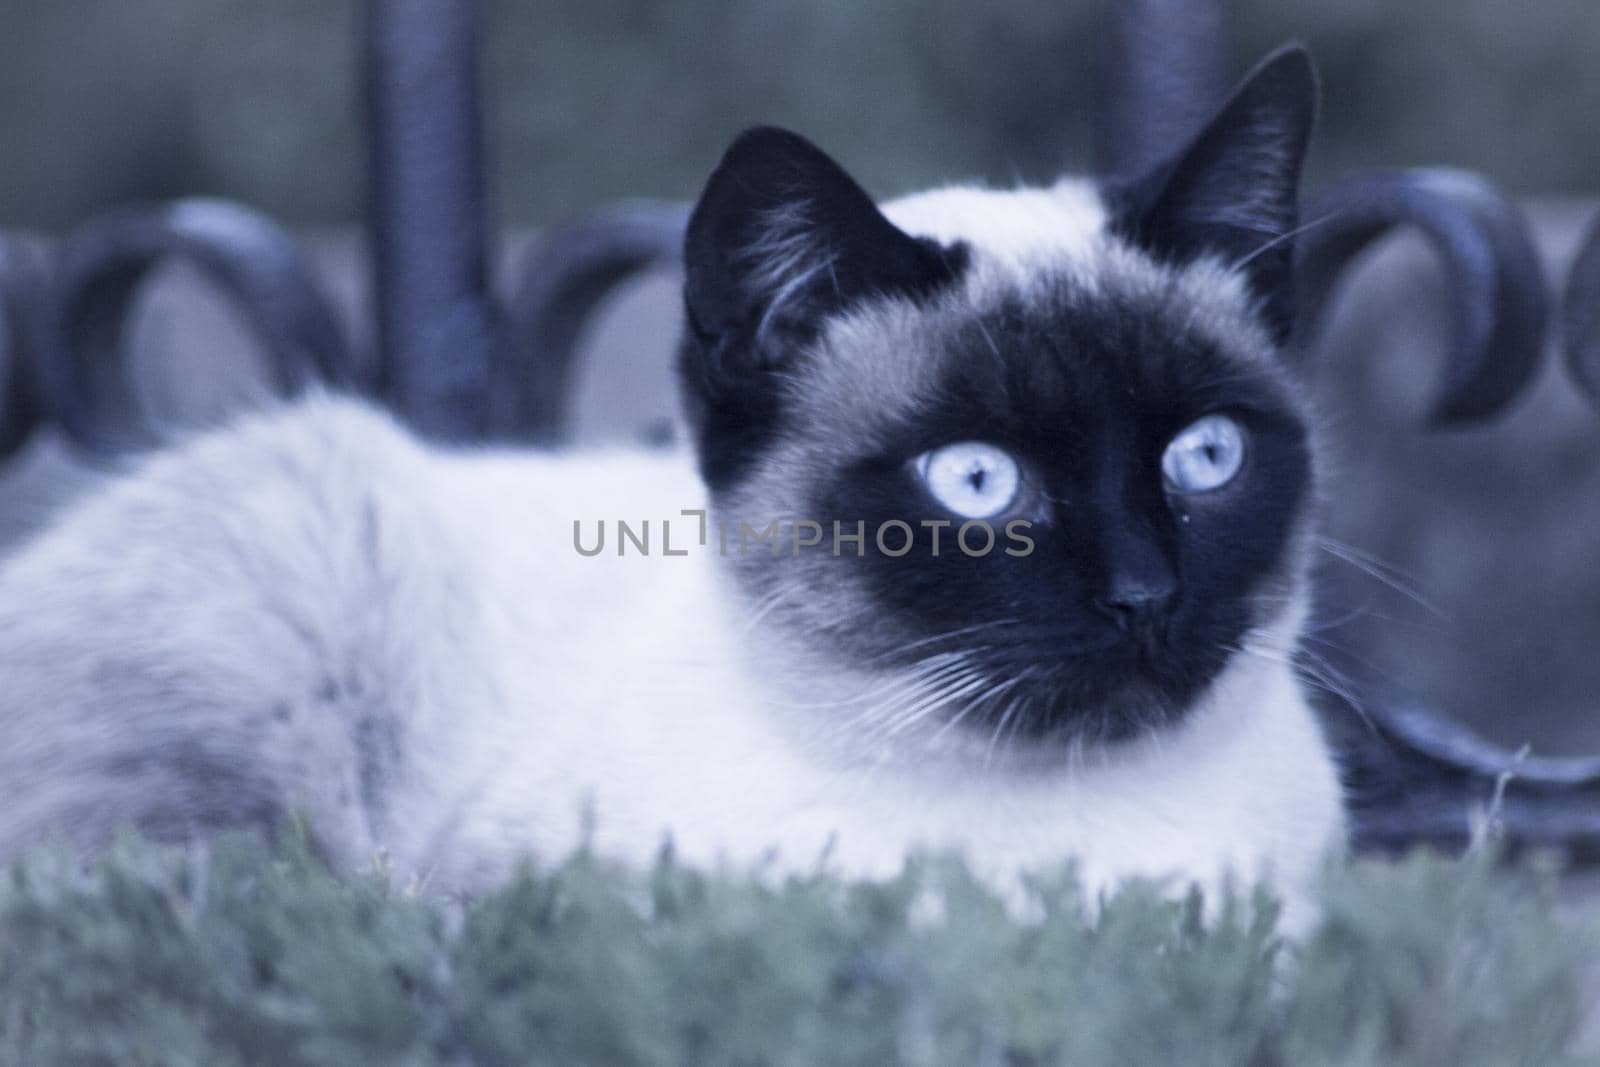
(1205, 456)
(973, 479)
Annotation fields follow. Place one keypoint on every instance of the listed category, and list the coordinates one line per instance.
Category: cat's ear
(781, 238)
(1234, 190)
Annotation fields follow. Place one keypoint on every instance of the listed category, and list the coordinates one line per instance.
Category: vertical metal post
(427, 213)
(1164, 69)
(20, 287)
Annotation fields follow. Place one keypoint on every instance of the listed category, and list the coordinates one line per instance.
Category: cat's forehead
(1047, 290)
(1016, 238)
(1010, 232)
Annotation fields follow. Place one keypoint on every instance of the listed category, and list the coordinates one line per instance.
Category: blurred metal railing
(1580, 315)
(458, 366)
(449, 359)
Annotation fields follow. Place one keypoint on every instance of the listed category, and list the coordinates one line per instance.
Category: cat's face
(1058, 419)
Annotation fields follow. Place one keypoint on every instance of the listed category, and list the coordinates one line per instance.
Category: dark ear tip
(729, 181)
(1287, 73)
(759, 142)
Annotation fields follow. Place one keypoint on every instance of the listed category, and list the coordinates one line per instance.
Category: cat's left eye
(974, 479)
(1206, 455)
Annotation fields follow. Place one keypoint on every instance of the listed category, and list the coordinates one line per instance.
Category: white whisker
(1382, 572)
(1267, 246)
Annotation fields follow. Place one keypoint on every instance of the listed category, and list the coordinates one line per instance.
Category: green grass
(243, 954)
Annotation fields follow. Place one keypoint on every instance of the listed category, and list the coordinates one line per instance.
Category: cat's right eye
(973, 479)
(1204, 456)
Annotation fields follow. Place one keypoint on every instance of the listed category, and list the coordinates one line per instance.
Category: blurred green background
(106, 101)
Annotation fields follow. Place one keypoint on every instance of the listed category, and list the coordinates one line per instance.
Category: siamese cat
(992, 538)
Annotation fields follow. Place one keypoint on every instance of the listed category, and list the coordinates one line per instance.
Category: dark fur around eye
(1131, 600)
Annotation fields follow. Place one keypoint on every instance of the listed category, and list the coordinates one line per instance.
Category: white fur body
(405, 642)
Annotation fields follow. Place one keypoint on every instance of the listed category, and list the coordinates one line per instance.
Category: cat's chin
(1114, 695)
(1128, 692)
(1043, 730)
(1102, 717)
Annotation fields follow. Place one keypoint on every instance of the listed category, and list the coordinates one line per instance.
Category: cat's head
(1091, 373)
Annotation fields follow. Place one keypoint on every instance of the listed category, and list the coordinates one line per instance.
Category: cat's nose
(1138, 584)
(1137, 600)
